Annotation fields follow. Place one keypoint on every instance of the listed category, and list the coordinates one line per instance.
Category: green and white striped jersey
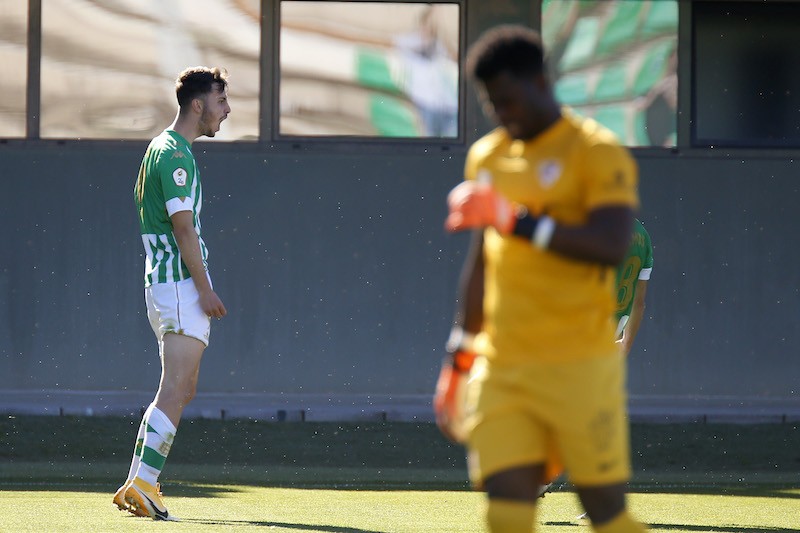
(168, 182)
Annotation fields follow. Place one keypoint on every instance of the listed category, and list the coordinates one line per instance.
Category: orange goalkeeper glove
(450, 396)
(475, 205)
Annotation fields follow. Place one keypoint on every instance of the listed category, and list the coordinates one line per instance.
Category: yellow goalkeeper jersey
(538, 303)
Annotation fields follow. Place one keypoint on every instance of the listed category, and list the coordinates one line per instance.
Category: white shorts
(623, 321)
(175, 308)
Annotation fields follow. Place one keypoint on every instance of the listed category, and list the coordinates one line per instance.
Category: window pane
(746, 75)
(108, 68)
(369, 69)
(615, 61)
(14, 58)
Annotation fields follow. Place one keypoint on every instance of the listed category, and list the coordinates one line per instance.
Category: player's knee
(520, 484)
(189, 391)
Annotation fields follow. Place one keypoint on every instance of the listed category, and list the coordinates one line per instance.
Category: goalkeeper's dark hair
(508, 48)
(194, 82)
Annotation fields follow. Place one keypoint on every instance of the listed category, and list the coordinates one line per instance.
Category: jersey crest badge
(549, 173)
(179, 176)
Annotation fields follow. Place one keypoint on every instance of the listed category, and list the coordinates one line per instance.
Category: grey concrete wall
(338, 277)
(335, 270)
(724, 300)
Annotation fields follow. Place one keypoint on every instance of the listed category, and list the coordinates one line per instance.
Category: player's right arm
(189, 246)
(448, 400)
(469, 306)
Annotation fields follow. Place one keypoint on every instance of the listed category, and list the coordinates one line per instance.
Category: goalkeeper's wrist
(537, 230)
(460, 349)
(460, 341)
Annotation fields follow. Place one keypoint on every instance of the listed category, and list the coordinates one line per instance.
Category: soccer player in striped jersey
(632, 278)
(178, 292)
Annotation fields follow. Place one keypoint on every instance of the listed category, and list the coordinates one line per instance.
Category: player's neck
(186, 128)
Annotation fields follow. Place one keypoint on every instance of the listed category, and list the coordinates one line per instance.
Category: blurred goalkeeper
(550, 198)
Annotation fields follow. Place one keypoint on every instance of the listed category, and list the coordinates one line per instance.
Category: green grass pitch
(58, 474)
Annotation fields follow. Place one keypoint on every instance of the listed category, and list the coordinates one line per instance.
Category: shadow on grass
(688, 528)
(705, 484)
(285, 525)
(57, 475)
(725, 529)
(787, 492)
(194, 490)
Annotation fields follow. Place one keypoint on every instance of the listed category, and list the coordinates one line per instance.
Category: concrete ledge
(375, 407)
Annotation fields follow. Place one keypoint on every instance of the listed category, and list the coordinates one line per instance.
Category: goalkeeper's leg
(605, 506)
(510, 516)
(512, 499)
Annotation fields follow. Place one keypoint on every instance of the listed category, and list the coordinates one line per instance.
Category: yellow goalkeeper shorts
(566, 413)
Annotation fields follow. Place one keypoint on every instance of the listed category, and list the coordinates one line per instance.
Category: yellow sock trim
(510, 516)
(622, 523)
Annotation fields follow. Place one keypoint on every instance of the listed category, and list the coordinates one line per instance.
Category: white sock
(160, 432)
(139, 446)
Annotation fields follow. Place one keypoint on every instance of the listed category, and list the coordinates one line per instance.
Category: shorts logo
(179, 176)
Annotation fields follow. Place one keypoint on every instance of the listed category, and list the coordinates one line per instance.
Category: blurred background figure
(430, 75)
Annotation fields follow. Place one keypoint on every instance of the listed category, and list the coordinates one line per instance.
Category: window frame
(414, 143)
(269, 77)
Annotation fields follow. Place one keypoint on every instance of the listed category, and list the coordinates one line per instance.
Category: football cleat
(119, 497)
(544, 489)
(144, 499)
(584, 516)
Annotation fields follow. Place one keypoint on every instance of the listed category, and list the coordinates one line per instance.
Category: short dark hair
(198, 81)
(509, 48)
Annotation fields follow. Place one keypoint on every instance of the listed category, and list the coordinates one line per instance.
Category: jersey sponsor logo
(549, 173)
(179, 175)
(178, 155)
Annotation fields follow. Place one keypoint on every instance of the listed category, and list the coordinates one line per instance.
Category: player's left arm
(635, 320)
(603, 239)
(610, 179)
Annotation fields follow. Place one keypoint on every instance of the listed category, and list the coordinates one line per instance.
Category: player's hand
(475, 205)
(211, 305)
(624, 347)
(450, 395)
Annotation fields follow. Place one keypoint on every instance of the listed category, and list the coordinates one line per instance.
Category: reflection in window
(14, 58)
(369, 69)
(108, 68)
(616, 60)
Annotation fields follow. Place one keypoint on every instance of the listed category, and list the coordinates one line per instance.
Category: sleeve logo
(179, 176)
